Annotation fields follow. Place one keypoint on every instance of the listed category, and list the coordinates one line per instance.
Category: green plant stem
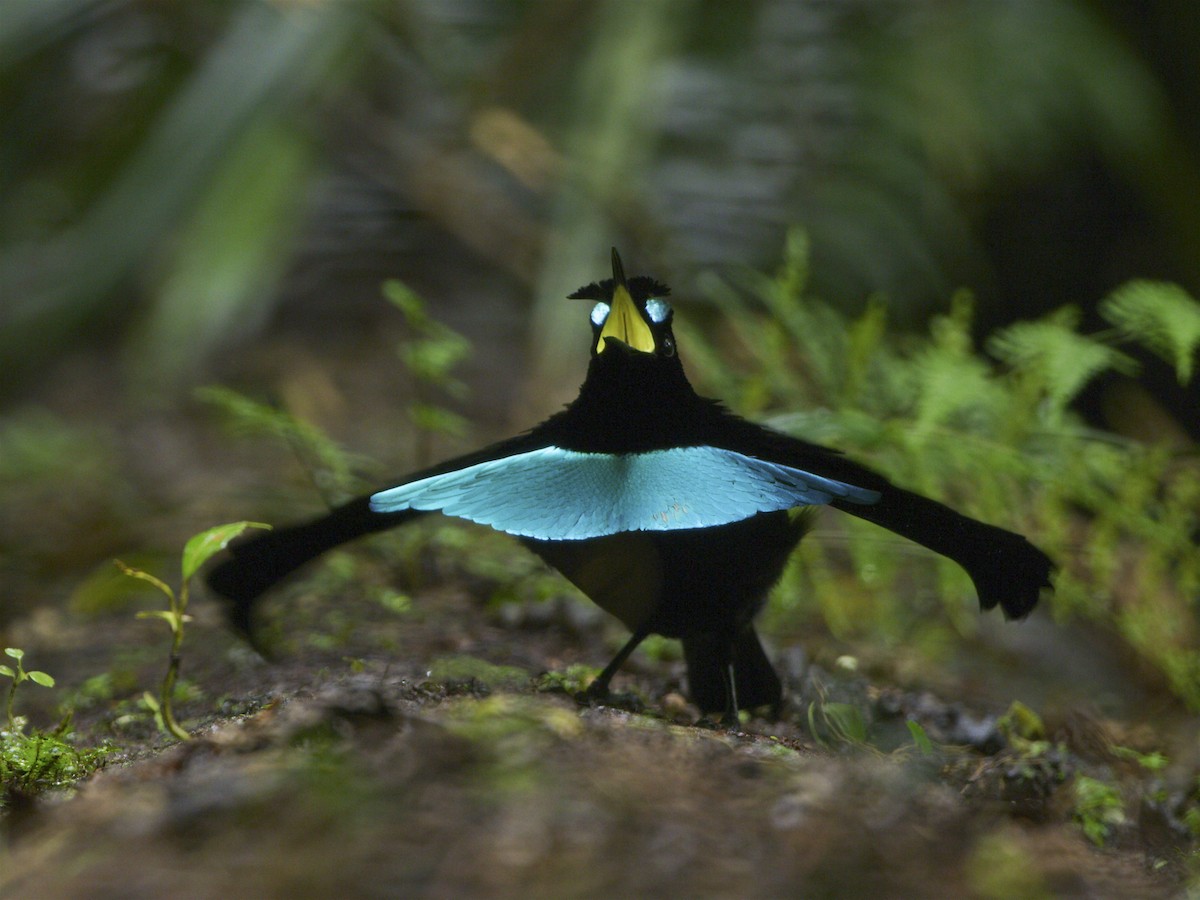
(12, 693)
(168, 688)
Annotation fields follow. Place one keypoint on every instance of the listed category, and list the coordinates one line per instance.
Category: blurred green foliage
(1121, 517)
(333, 470)
(167, 166)
(67, 500)
(430, 356)
(189, 162)
(1098, 808)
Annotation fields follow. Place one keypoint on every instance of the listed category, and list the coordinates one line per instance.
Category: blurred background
(180, 178)
(213, 192)
(228, 193)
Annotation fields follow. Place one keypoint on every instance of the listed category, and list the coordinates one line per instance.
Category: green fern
(1000, 442)
(1161, 316)
(1057, 361)
(332, 468)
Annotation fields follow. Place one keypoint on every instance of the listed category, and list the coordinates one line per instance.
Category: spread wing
(551, 493)
(1008, 571)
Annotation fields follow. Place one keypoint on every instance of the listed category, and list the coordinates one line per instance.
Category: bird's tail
(256, 564)
(1007, 570)
(754, 678)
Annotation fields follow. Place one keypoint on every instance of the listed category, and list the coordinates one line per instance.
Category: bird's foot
(589, 698)
(726, 723)
(596, 696)
(596, 692)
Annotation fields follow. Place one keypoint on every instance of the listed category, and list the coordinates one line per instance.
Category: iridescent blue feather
(557, 494)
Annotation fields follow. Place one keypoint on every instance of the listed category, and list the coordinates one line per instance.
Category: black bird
(666, 509)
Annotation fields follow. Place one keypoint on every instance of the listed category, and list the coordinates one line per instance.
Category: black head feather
(641, 288)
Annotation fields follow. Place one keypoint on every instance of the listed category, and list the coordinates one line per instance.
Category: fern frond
(1161, 315)
(1059, 359)
(950, 382)
(331, 467)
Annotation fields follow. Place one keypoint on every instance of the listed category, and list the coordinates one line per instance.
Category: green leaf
(164, 614)
(1152, 762)
(7, 672)
(437, 420)
(41, 678)
(208, 543)
(406, 300)
(920, 738)
(1161, 315)
(151, 702)
(147, 577)
(846, 721)
(433, 359)
(14, 652)
(1021, 721)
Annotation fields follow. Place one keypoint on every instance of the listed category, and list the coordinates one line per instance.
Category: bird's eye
(657, 309)
(599, 313)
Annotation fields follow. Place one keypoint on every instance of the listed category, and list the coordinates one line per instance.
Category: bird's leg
(598, 689)
(721, 657)
(729, 719)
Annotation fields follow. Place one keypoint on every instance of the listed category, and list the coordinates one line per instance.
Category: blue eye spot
(599, 313)
(657, 310)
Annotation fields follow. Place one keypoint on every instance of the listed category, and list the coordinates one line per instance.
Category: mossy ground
(450, 764)
(415, 732)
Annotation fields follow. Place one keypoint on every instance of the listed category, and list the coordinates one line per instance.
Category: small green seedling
(198, 550)
(31, 763)
(18, 675)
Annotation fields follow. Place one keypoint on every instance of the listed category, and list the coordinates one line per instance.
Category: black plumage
(703, 585)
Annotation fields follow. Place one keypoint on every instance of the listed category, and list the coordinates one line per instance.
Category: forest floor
(415, 733)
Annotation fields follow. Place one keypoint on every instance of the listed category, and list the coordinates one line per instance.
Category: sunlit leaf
(41, 678)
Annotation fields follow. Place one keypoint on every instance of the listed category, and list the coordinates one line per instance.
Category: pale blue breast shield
(558, 495)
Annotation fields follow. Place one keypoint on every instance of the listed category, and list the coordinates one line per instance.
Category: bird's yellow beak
(625, 323)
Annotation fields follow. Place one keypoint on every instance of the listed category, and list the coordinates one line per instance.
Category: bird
(665, 508)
